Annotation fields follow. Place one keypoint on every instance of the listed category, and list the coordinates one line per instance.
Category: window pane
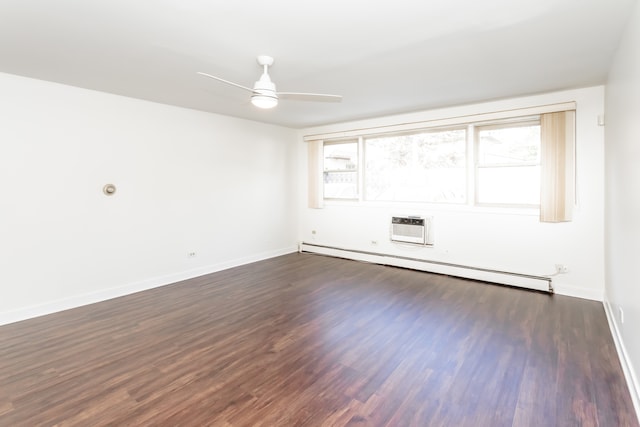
(509, 185)
(340, 171)
(421, 167)
(340, 185)
(341, 156)
(509, 145)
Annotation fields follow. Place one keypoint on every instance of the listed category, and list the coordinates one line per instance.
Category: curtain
(557, 185)
(315, 152)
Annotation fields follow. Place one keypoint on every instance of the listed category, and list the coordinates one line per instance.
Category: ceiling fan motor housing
(265, 87)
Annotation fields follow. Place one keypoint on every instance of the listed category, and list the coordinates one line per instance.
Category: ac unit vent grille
(408, 230)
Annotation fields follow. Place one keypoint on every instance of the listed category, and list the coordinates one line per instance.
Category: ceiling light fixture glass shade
(264, 101)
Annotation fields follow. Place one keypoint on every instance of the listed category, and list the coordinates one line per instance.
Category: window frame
(387, 126)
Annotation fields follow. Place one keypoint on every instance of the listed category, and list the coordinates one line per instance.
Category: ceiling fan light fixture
(264, 93)
(264, 101)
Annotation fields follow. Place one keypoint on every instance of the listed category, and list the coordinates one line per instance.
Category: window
(427, 166)
(491, 159)
(340, 170)
(508, 164)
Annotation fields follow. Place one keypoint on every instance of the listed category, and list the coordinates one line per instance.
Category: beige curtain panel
(557, 185)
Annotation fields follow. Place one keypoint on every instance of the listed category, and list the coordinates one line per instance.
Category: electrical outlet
(191, 255)
(561, 269)
(374, 242)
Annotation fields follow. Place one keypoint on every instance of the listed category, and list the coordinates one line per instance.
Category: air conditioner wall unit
(412, 229)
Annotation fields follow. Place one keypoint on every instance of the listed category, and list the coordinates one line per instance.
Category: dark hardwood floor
(307, 340)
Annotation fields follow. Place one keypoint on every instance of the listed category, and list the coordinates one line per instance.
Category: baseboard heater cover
(538, 283)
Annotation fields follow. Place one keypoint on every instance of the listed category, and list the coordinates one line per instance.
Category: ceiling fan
(264, 94)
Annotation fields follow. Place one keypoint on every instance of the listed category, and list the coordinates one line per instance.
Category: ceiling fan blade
(316, 97)
(226, 81)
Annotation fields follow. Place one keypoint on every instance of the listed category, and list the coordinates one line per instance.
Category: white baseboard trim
(572, 291)
(130, 288)
(625, 361)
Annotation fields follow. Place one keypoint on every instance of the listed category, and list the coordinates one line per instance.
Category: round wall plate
(109, 189)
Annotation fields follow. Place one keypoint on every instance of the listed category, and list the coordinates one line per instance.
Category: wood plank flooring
(307, 340)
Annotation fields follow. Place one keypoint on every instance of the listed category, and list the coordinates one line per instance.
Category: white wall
(187, 181)
(488, 238)
(622, 225)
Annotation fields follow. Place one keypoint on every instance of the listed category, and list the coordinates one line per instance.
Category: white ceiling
(384, 57)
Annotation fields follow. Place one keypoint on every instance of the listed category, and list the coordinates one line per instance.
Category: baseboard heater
(538, 283)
